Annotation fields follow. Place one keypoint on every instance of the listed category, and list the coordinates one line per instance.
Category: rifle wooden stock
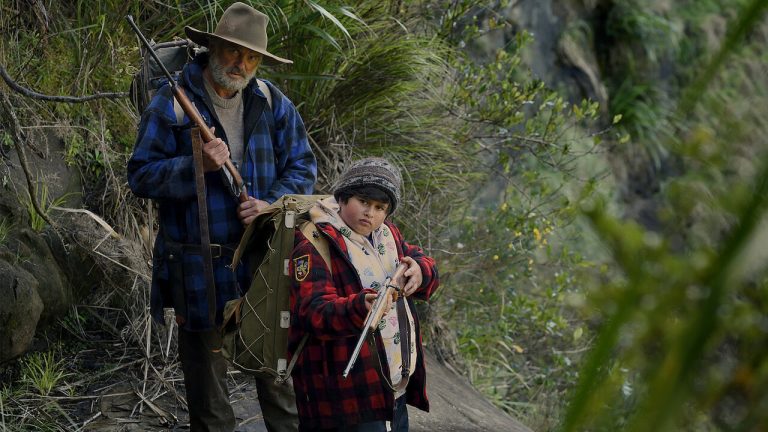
(390, 288)
(207, 135)
(191, 111)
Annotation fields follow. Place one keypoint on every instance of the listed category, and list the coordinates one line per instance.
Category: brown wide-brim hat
(241, 25)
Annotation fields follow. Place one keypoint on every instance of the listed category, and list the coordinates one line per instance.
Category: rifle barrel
(151, 51)
(389, 284)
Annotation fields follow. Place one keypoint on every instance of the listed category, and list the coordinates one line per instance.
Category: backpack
(255, 327)
(150, 77)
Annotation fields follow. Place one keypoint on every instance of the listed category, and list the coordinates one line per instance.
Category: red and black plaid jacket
(332, 310)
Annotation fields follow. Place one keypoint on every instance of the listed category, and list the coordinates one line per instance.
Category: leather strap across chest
(205, 236)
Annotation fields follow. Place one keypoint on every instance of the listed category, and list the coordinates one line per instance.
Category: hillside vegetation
(602, 265)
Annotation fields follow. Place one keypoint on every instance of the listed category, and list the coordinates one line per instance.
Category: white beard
(220, 77)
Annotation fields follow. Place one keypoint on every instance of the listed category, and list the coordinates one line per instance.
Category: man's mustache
(235, 70)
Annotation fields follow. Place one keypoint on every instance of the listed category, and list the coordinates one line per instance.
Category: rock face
(43, 273)
(19, 310)
(34, 289)
(576, 49)
(52, 284)
(455, 406)
(561, 52)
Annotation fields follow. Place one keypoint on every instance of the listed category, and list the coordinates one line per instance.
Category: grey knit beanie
(372, 171)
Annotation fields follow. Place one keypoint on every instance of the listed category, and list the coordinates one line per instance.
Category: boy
(331, 306)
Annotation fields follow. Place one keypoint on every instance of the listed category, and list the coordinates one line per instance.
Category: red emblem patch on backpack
(301, 267)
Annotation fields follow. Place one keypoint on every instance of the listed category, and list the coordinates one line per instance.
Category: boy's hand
(412, 276)
(371, 298)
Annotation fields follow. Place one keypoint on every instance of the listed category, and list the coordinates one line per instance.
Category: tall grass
(367, 83)
(676, 314)
(644, 332)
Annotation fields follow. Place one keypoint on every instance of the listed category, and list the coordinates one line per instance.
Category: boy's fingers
(411, 268)
(409, 287)
(369, 298)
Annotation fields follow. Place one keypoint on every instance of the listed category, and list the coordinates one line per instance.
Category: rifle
(391, 288)
(192, 112)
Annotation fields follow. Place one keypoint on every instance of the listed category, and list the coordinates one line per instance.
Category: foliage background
(606, 255)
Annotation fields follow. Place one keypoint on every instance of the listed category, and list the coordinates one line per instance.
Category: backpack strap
(178, 111)
(265, 89)
(311, 233)
(292, 363)
(309, 229)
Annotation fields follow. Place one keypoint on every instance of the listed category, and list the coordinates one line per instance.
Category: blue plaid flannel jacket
(277, 161)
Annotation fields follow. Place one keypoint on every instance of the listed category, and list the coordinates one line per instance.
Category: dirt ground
(455, 407)
(119, 413)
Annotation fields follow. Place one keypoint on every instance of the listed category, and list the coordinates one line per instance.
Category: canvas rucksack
(255, 327)
(150, 77)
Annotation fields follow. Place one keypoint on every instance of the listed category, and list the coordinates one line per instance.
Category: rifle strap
(405, 339)
(205, 237)
(405, 349)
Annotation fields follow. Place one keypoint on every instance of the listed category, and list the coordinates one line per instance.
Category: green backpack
(255, 327)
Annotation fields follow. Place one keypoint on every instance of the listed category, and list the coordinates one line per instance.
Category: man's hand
(248, 210)
(412, 276)
(215, 154)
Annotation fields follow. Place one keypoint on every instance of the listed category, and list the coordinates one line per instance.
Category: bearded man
(267, 143)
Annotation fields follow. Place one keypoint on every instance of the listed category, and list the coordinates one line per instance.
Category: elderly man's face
(233, 66)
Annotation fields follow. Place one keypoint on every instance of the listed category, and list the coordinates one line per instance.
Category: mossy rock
(20, 309)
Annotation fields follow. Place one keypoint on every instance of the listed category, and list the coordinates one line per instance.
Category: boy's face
(363, 215)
